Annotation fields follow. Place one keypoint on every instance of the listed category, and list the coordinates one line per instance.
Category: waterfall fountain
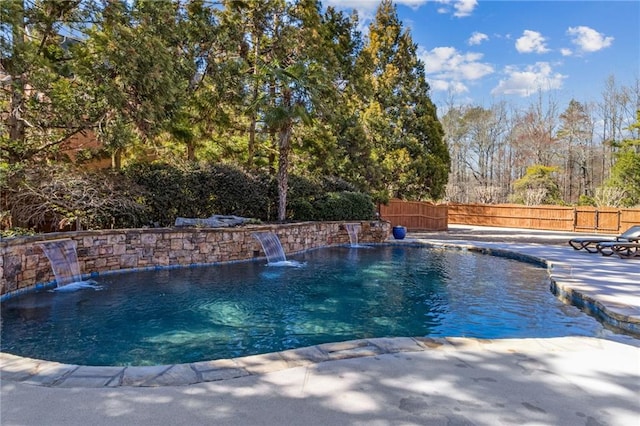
(64, 262)
(352, 230)
(273, 249)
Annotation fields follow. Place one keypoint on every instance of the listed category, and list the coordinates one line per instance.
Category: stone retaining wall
(23, 264)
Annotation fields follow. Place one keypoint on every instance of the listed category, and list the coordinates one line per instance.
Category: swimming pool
(339, 293)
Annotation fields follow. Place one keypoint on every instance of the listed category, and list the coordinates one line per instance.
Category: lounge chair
(631, 235)
(625, 250)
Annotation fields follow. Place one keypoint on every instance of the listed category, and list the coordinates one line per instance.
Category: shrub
(585, 200)
(345, 205)
(156, 194)
(234, 192)
(327, 198)
(165, 195)
(16, 232)
(301, 209)
(336, 184)
(200, 192)
(59, 198)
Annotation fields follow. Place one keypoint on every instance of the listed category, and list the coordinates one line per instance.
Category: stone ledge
(25, 267)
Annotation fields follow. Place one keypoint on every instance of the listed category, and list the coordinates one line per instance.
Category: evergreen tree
(42, 105)
(399, 118)
(625, 173)
(140, 69)
(537, 186)
(335, 145)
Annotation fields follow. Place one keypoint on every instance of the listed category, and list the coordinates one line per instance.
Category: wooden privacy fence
(416, 215)
(555, 218)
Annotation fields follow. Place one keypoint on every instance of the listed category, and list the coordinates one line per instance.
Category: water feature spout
(64, 262)
(352, 230)
(271, 246)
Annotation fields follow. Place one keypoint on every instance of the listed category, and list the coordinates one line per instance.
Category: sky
(481, 52)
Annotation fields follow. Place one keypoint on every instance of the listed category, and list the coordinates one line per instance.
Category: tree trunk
(272, 131)
(252, 127)
(16, 106)
(191, 152)
(283, 170)
(116, 159)
(16, 125)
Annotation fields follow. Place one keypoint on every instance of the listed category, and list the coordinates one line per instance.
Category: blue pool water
(341, 293)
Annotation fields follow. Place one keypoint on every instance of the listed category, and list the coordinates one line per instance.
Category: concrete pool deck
(566, 380)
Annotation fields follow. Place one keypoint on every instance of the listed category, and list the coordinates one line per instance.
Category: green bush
(345, 205)
(165, 195)
(16, 232)
(327, 198)
(336, 184)
(200, 192)
(155, 194)
(585, 200)
(300, 209)
(234, 192)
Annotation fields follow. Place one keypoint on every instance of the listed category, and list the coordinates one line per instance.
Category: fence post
(575, 219)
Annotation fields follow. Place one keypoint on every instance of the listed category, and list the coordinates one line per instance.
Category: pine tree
(42, 105)
(399, 118)
(625, 173)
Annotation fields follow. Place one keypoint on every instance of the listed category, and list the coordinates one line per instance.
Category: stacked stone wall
(23, 264)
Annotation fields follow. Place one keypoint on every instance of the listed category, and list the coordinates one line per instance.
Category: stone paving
(453, 381)
(608, 287)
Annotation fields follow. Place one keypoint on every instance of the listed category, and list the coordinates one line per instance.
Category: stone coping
(54, 374)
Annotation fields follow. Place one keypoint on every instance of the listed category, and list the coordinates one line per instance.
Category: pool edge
(53, 374)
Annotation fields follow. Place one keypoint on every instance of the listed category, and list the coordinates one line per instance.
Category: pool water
(336, 294)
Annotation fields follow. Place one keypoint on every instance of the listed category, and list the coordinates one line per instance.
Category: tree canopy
(625, 173)
(269, 85)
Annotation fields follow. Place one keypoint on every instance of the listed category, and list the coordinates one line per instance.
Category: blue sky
(480, 52)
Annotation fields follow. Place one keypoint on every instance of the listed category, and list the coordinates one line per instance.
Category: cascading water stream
(64, 262)
(271, 246)
(352, 230)
(273, 249)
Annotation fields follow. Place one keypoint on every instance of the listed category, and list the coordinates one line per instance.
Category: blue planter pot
(399, 232)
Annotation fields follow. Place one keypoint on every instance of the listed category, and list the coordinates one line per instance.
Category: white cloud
(534, 78)
(453, 87)
(371, 5)
(413, 4)
(566, 52)
(477, 38)
(462, 8)
(531, 41)
(448, 69)
(589, 40)
(363, 6)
